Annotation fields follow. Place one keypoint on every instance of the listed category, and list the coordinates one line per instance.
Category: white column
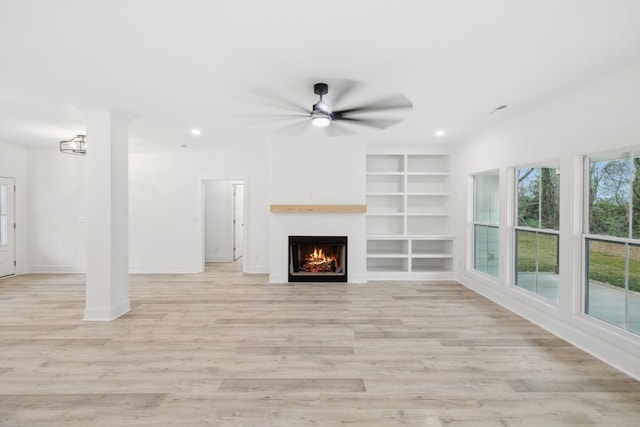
(107, 174)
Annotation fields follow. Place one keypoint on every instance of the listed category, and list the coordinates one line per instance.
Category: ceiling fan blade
(336, 129)
(374, 123)
(294, 128)
(338, 91)
(263, 118)
(393, 102)
(272, 99)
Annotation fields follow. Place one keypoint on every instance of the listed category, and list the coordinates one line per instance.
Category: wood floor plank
(225, 348)
(293, 385)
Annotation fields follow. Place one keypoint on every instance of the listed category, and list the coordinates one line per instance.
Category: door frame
(231, 182)
(234, 203)
(11, 230)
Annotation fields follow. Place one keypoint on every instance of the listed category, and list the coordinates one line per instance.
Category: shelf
(437, 237)
(408, 217)
(384, 269)
(385, 255)
(428, 214)
(387, 193)
(385, 174)
(318, 208)
(385, 214)
(431, 269)
(441, 255)
(427, 194)
(427, 173)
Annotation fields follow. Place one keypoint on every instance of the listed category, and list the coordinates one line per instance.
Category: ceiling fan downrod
(320, 114)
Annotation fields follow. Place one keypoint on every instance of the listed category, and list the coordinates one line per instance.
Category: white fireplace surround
(317, 188)
(351, 225)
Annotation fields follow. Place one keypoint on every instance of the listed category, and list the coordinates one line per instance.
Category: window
(485, 223)
(612, 241)
(537, 231)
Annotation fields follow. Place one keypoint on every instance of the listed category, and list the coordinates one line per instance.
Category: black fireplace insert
(317, 258)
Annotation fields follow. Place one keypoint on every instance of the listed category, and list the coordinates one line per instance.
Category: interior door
(238, 221)
(7, 247)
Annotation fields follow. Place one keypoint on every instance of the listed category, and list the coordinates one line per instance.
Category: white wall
(57, 237)
(165, 202)
(166, 206)
(324, 171)
(601, 116)
(13, 164)
(218, 210)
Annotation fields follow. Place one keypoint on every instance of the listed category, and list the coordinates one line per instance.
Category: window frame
(588, 237)
(538, 231)
(475, 223)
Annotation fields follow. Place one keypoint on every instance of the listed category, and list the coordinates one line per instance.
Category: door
(238, 221)
(7, 232)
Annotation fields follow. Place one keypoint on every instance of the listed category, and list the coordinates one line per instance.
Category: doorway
(223, 220)
(7, 227)
(238, 220)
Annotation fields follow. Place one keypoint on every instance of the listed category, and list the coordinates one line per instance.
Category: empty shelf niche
(418, 163)
(427, 184)
(387, 248)
(432, 248)
(424, 265)
(427, 205)
(379, 225)
(422, 225)
(385, 184)
(385, 163)
(388, 265)
(389, 204)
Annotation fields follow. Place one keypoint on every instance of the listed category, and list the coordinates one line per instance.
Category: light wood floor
(226, 349)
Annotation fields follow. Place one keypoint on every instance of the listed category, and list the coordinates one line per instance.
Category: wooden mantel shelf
(318, 208)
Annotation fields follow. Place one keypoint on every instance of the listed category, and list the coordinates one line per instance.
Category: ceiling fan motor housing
(321, 89)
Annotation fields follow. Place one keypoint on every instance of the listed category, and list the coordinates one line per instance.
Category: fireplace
(317, 258)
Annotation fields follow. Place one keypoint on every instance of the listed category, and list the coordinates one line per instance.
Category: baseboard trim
(61, 269)
(164, 269)
(106, 314)
(217, 259)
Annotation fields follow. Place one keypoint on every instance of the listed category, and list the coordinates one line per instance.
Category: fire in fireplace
(317, 258)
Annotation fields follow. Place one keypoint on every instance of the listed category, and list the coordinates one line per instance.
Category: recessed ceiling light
(196, 132)
(184, 146)
(440, 132)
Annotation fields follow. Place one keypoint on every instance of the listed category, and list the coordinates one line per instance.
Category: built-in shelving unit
(408, 233)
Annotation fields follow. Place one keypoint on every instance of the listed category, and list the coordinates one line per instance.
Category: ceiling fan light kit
(320, 119)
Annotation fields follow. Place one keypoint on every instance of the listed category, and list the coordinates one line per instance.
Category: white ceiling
(175, 64)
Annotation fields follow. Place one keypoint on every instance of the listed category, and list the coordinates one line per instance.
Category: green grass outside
(547, 252)
(609, 268)
(604, 266)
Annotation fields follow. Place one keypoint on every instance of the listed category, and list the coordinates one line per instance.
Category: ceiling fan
(378, 112)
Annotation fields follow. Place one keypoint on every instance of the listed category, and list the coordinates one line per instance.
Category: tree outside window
(537, 231)
(612, 243)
